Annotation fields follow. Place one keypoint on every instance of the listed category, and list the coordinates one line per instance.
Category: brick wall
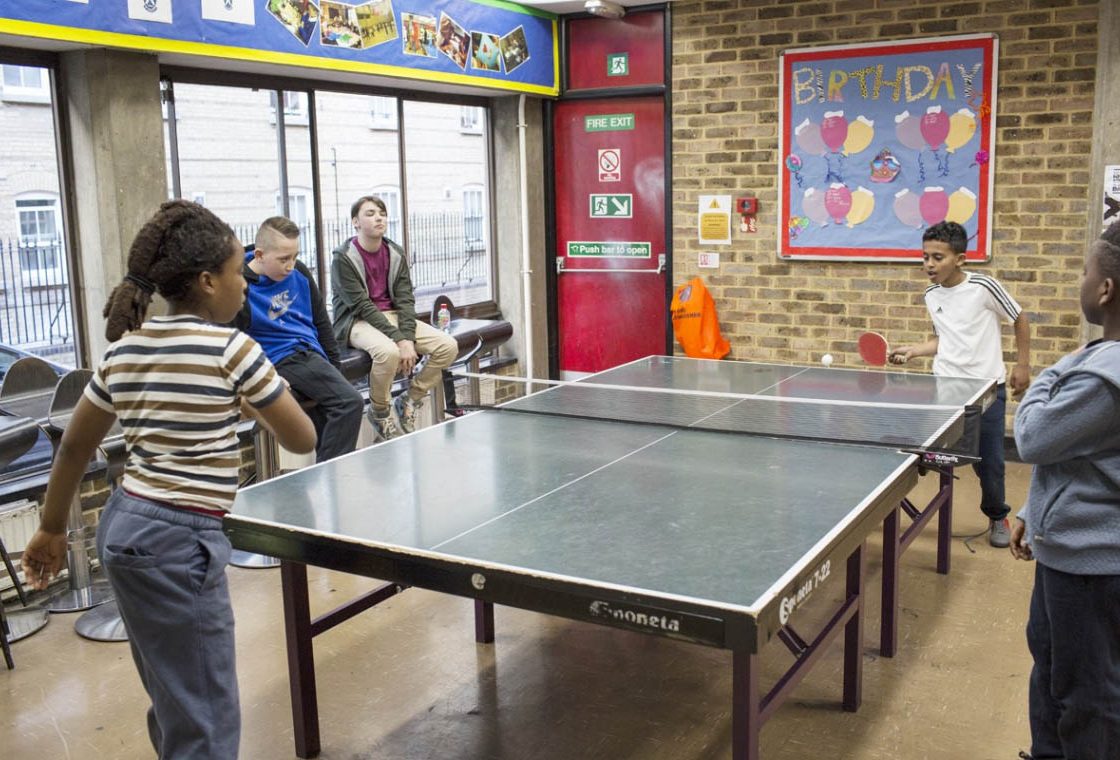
(725, 141)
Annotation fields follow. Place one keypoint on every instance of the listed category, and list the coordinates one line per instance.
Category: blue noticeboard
(878, 142)
(491, 44)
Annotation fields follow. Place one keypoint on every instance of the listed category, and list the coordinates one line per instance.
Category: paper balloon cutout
(860, 133)
(863, 203)
(906, 208)
(934, 204)
(962, 126)
(793, 162)
(908, 129)
(934, 127)
(813, 206)
(834, 130)
(808, 137)
(837, 201)
(962, 205)
(797, 224)
(884, 167)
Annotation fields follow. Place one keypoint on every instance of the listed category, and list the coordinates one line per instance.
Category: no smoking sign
(610, 165)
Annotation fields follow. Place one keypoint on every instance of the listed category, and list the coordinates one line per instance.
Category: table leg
(301, 659)
(888, 627)
(483, 622)
(853, 634)
(746, 718)
(945, 523)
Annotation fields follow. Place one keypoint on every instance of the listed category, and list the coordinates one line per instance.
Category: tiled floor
(406, 680)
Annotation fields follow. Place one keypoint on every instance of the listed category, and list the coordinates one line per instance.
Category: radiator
(18, 522)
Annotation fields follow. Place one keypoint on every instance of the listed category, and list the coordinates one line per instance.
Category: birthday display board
(878, 142)
(489, 43)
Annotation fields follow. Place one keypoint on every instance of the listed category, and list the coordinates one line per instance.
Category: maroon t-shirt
(377, 274)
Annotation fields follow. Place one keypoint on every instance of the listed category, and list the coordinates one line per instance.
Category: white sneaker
(384, 428)
(406, 411)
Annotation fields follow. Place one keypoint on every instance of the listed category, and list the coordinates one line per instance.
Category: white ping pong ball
(826, 360)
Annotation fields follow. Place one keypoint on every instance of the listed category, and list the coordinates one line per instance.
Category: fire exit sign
(618, 64)
(608, 122)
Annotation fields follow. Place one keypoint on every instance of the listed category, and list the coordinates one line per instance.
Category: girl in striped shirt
(178, 384)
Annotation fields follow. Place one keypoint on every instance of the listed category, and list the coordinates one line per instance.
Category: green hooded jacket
(350, 295)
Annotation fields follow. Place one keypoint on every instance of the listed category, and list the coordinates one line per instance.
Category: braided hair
(178, 243)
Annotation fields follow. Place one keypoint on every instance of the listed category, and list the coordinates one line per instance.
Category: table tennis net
(897, 426)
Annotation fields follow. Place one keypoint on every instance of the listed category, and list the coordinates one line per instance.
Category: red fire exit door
(610, 225)
(611, 256)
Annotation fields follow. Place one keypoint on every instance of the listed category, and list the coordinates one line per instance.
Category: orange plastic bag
(695, 323)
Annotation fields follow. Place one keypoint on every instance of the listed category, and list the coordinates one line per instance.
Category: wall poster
(877, 142)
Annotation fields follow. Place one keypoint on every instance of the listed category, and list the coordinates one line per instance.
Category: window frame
(21, 93)
(178, 74)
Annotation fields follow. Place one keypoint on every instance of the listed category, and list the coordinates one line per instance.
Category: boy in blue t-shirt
(1066, 426)
(284, 313)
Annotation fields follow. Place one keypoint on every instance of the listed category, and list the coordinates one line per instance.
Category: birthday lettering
(909, 83)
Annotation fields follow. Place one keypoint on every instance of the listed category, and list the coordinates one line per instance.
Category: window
(299, 211)
(391, 194)
(383, 113)
(41, 253)
(295, 107)
(470, 119)
(26, 84)
(474, 212)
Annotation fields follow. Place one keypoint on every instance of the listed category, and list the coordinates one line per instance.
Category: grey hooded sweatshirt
(1068, 426)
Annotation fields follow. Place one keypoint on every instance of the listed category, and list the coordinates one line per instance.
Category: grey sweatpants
(167, 569)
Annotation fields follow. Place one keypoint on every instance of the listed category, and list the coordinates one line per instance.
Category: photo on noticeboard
(515, 49)
(418, 35)
(486, 52)
(297, 16)
(338, 25)
(454, 41)
(376, 22)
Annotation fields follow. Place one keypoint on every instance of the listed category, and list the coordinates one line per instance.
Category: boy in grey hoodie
(1068, 426)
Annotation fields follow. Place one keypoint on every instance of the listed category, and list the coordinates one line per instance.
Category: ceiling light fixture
(604, 9)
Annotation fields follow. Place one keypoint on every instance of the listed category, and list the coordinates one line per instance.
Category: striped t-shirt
(175, 385)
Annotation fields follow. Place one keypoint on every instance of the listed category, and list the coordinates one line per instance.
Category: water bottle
(443, 318)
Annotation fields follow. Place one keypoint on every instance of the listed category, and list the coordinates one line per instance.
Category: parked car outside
(38, 457)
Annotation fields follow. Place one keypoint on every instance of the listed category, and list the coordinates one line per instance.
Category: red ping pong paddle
(873, 349)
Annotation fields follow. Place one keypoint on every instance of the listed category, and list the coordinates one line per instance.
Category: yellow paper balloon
(962, 205)
(860, 133)
(962, 126)
(863, 203)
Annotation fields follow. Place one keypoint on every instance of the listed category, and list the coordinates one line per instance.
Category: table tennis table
(698, 535)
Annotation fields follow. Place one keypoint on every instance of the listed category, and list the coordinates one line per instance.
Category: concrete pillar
(112, 101)
(1106, 126)
(508, 247)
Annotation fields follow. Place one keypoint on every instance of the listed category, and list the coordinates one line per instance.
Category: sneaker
(999, 535)
(384, 428)
(407, 408)
(454, 411)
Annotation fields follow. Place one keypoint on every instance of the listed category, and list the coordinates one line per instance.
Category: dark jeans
(1074, 636)
(337, 414)
(990, 469)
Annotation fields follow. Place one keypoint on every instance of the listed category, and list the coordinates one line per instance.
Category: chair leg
(12, 573)
(3, 619)
(4, 640)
